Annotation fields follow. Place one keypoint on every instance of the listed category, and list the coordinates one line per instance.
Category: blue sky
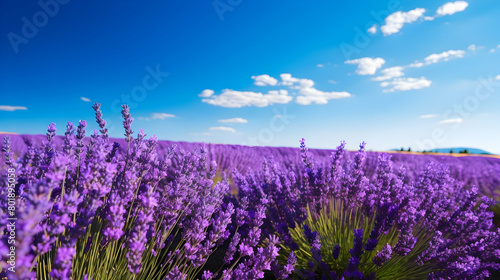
(419, 74)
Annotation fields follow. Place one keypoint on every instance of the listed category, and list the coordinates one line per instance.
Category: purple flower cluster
(88, 195)
(401, 205)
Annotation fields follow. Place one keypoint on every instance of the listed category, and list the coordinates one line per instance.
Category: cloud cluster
(307, 93)
(395, 21)
(456, 120)
(206, 93)
(367, 65)
(85, 99)
(439, 57)
(405, 84)
(236, 99)
(311, 95)
(264, 80)
(393, 76)
(12, 108)
(157, 116)
(233, 120)
(372, 29)
(451, 8)
(390, 73)
(428, 116)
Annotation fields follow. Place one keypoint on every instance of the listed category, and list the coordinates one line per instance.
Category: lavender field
(86, 206)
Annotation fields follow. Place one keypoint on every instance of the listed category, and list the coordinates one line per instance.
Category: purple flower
(336, 252)
(80, 135)
(137, 241)
(383, 255)
(100, 120)
(127, 123)
(63, 262)
(357, 249)
(207, 275)
(352, 268)
(228, 257)
(69, 138)
(9, 156)
(354, 183)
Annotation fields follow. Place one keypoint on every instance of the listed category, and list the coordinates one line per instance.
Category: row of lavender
(480, 171)
(88, 208)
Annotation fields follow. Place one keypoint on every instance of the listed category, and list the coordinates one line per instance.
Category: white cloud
(438, 57)
(492, 50)
(472, 47)
(497, 77)
(287, 79)
(12, 108)
(332, 82)
(264, 80)
(428, 116)
(367, 65)
(373, 29)
(390, 73)
(456, 120)
(236, 99)
(452, 7)
(223, 128)
(405, 84)
(157, 116)
(308, 93)
(161, 116)
(444, 56)
(395, 21)
(233, 120)
(85, 99)
(312, 95)
(206, 93)
(295, 83)
(320, 65)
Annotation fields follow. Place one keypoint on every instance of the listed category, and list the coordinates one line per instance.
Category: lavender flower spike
(383, 255)
(80, 134)
(100, 120)
(127, 123)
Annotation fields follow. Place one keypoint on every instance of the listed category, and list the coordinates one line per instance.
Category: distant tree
(409, 149)
(466, 151)
(402, 149)
(451, 151)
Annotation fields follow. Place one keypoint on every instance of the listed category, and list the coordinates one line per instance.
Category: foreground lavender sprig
(100, 121)
(127, 122)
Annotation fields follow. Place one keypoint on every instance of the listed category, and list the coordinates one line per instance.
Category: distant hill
(457, 150)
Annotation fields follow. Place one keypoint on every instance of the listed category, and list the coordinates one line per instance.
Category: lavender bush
(136, 208)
